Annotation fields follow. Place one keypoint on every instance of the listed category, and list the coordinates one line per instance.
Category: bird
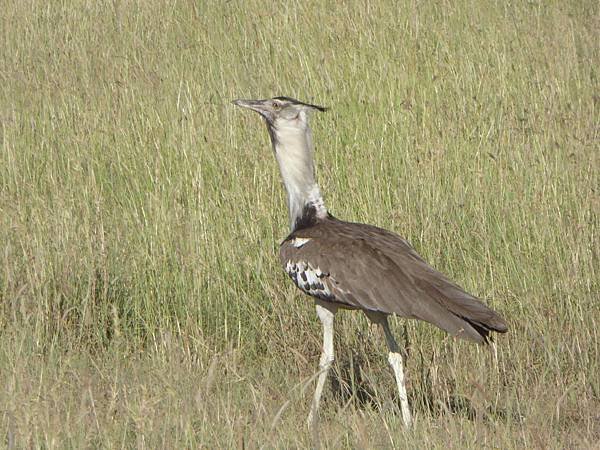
(346, 265)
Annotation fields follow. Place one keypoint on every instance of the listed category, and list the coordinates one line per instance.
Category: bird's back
(365, 267)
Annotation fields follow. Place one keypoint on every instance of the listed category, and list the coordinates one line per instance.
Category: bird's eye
(276, 105)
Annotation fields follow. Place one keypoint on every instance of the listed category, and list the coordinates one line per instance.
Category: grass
(141, 302)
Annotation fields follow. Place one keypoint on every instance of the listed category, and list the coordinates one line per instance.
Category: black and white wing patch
(312, 281)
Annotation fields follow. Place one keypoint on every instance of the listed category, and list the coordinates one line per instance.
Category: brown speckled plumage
(373, 269)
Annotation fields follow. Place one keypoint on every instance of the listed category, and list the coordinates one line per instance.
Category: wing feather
(373, 269)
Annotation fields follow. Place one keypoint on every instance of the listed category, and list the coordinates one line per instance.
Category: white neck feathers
(293, 149)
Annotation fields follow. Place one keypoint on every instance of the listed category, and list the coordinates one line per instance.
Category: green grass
(141, 302)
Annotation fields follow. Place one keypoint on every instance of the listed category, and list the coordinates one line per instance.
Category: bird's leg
(395, 360)
(325, 312)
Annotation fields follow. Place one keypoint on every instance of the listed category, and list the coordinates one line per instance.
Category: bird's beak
(255, 105)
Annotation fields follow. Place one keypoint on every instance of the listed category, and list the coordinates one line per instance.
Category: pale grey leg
(395, 360)
(325, 312)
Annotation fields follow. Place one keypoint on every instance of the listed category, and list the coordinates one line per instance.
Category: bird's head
(287, 123)
(281, 112)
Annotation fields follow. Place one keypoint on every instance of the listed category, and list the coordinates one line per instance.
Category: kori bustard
(353, 265)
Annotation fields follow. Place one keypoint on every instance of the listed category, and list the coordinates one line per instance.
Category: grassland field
(141, 300)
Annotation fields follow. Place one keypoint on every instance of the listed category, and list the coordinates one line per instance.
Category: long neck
(294, 153)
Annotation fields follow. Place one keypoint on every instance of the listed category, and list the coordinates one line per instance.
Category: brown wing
(365, 267)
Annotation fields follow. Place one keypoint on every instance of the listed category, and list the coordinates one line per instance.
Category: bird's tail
(478, 319)
(483, 329)
(461, 314)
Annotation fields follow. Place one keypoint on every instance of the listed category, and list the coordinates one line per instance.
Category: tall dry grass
(141, 301)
